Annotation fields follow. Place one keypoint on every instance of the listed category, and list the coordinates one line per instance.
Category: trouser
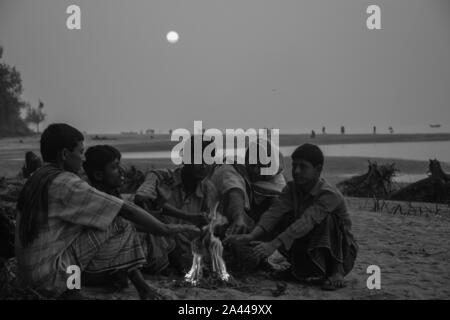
(329, 244)
(102, 253)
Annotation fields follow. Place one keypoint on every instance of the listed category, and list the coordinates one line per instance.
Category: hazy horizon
(292, 65)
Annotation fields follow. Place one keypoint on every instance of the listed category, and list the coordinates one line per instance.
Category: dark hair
(97, 157)
(56, 137)
(205, 143)
(310, 153)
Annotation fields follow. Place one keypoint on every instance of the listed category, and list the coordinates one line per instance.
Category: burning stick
(206, 244)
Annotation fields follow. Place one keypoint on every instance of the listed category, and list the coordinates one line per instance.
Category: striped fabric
(166, 186)
(157, 250)
(226, 178)
(82, 230)
(97, 251)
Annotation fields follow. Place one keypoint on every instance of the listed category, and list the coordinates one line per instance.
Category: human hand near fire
(238, 238)
(184, 228)
(199, 219)
(256, 233)
(264, 249)
(238, 226)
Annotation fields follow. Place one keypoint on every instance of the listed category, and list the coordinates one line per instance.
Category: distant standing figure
(313, 134)
(391, 130)
(342, 130)
(323, 130)
(374, 130)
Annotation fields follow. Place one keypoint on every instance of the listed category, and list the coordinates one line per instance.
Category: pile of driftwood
(377, 182)
(435, 188)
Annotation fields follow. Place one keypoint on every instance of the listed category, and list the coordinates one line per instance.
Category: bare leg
(145, 290)
(336, 279)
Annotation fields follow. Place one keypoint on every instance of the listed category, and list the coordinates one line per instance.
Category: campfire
(207, 251)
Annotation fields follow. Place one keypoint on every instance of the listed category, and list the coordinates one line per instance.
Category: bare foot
(334, 282)
(153, 293)
(147, 291)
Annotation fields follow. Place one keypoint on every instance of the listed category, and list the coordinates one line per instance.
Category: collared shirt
(226, 178)
(304, 211)
(73, 206)
(166, 186)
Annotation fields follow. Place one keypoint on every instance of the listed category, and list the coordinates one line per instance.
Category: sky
(288, 64)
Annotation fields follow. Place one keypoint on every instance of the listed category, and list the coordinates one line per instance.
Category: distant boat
(435, 125)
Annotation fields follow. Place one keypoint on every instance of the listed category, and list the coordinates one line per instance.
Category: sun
(172, 37)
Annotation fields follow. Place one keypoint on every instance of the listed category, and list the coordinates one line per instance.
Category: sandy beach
(411, 249)
(365, 84)
(412, 252)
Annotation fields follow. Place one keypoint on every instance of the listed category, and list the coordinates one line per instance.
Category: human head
(197, 171)
(307, 163)
(254, 169)
(63, 144)
(102, 166)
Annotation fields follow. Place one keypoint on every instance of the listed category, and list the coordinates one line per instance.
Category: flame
(208, 244)
(195, 274)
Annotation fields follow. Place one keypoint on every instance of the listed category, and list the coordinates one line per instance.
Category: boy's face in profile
(112, 175)
(73, 159)
(303, 172)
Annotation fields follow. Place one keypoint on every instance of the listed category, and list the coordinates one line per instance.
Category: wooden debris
(377, 182)
(434, 189)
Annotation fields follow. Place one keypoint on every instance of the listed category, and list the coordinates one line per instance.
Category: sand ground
(412, 251)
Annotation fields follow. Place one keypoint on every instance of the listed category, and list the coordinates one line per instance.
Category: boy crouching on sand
(309, 224)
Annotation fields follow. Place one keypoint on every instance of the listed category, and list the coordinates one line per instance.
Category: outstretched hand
(199, 219)
(238, 238)
(263, 249)
(238, 227)
(186, 228)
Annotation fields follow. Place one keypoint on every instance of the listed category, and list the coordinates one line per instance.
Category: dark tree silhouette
(35, 115)
(11, 103)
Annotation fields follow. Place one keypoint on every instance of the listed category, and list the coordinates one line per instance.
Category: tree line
(12, 104)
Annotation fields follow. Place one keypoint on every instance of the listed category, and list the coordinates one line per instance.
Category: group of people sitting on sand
(64, 219)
